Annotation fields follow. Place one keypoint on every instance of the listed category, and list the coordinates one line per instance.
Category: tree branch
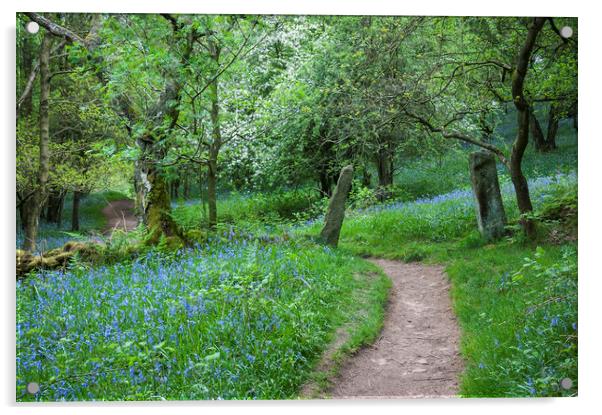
(55, 29)
(32, 77)
(457, 135)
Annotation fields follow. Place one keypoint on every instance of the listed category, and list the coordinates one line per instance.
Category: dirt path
(417, 353)
(120, 215)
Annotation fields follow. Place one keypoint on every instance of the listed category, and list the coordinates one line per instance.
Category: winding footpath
(120, 215)
(417, 353)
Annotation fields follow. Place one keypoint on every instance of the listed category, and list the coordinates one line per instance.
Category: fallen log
(54, 258)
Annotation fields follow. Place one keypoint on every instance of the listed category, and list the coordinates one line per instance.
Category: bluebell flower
(530, 386)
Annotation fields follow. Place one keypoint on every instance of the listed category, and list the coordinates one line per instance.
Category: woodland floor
(417, 353)
(120, 215)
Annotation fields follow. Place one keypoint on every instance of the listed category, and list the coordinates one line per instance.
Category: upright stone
(491, 217)
(336, 208)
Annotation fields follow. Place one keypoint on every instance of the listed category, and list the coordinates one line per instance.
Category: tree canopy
(259, 102)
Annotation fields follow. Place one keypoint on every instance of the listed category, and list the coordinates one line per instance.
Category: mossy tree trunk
(154, 188)
(37, 200)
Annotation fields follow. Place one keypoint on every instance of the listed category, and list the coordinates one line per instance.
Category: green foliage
(560, 206)
(361, 196)
(520, 320)
(268, 208)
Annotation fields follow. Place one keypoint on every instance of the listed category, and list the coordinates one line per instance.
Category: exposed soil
(417, 353)
(120, 215)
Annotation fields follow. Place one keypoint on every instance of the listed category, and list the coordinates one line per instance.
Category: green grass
(242, 319)
(362, 323)
(517, 309)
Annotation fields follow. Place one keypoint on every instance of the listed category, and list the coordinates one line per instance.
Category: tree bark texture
(384, 168)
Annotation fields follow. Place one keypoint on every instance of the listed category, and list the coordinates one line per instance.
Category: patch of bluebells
(458, 203)
(214, 321)
(464, 197)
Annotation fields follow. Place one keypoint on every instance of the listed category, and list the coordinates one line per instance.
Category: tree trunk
(491, 216)
(26, 106)
(202, 195)
(75, 211)
(140, 190)
(54, 207)
(154, 190)
(325, 182)
(573, 115)
(186, 187)
(212, 193)
(552, 127)
(539, 141)
(336, 208)
(37, 200)
(23, 214)
(384, 167)
(176, 188)
(522, 138)
(216, 144)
